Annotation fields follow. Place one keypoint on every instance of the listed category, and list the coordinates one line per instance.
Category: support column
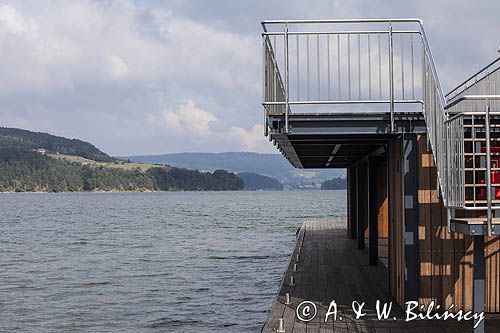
(351, 194)
(373, 210)
(391, 286)
(410, 202)
(479, 275)
(362, 189)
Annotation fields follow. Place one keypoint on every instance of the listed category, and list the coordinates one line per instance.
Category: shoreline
(113, 191)
(173, 191)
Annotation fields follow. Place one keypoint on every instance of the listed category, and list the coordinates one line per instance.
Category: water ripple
(148, 262)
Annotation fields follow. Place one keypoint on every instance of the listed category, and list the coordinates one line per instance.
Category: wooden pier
(331, 267)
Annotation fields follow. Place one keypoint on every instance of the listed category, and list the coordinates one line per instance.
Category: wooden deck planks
(332, 268)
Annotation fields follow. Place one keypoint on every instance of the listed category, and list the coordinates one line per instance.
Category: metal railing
(335, 62)
(469, 137)
(473, 105)
(484, 82)
(387, 63)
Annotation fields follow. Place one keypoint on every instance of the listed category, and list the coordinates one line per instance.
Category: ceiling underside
(333, 151)
(338, 140)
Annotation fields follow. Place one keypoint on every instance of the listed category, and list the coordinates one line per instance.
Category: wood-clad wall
(446, 260)
(382, 202)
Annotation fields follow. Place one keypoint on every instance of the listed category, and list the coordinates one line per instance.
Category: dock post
(373, 210)
(479, 275)
(410, 216)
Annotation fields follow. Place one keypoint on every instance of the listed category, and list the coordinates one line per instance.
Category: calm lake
(149, 262)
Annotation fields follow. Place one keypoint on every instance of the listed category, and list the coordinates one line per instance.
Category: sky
(151, 77)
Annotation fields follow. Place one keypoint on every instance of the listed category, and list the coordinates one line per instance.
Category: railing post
(391, 77)
(264, 95)
(488, 167)
(287, 95)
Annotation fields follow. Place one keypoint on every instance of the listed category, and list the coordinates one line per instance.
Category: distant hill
(75, 165)
(271, 165)
(334, 184)
(256, 182)
(27, 140)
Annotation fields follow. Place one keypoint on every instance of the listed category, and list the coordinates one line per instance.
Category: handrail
(319, 21)
(379, 20)
(433, 66)
(472, 98)
(354, 21)
(340, 32)
(473, 76)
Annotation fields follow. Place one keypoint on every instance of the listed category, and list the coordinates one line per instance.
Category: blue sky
(146, 77)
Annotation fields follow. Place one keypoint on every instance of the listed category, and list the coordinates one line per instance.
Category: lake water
(149, 262)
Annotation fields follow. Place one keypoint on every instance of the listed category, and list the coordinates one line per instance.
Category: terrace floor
(330, 267)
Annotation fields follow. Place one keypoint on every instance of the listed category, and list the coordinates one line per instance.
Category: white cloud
(118, 73)
(189, 118)
(11, 21)
(117, 67)
(250, 140)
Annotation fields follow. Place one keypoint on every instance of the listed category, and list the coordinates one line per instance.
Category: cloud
(117, 67)
(251, 140)
(118, 73)
(189, 118)
(11, 21)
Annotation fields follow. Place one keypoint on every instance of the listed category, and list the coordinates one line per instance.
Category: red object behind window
(495, 174)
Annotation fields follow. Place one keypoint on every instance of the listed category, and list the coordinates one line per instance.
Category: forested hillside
(22, 169)
(20, 139)
(334, 184)
(271, 165)
(256, 182)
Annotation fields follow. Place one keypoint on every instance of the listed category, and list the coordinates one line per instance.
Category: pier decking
(330, 267)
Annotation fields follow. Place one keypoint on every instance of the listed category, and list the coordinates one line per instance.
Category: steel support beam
(351, 195)
(390, 224)
(373, 210)
(479, 276)
(410, 202)
(463, 227)
(362, 188)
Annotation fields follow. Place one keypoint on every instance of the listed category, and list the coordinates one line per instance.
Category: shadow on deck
(330, 267)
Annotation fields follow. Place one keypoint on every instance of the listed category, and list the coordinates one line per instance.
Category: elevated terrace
(364, 95)
(345, 87)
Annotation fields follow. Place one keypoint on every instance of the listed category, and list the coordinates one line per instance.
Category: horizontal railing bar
(480, 154)
(472, 98)
(470, 113)
(338, 32)
(474, 75)
(481, 169)
(318, 21)
(473, 208)
(416, 101)
(476, 82)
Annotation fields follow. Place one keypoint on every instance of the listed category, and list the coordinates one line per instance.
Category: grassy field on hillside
(119, 165)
